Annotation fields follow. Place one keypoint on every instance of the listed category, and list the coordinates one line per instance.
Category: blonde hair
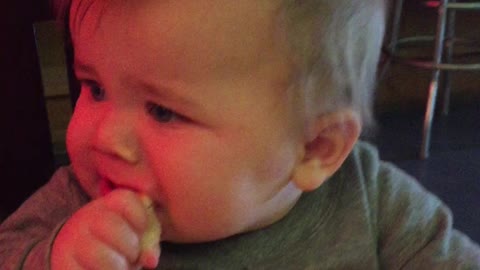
(335, 46)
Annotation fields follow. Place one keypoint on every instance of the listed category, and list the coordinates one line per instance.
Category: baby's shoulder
(371, 169)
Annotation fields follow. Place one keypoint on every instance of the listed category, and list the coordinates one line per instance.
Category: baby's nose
(116, 136)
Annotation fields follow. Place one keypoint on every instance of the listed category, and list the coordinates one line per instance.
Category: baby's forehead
(207, 8)
(211, 33)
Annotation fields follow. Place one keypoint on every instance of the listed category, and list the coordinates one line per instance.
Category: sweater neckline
(313, 210)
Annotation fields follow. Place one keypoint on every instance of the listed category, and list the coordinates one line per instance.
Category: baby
(220, 134)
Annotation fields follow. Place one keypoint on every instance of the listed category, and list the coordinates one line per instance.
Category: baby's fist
(107, 234)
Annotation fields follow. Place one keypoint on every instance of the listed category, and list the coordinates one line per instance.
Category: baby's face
(185, 101)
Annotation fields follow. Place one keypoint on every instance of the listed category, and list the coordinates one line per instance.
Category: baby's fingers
(100, 256)
(118, 234)
(128, 204)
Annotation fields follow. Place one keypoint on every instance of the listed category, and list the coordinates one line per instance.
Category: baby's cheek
(78, 142)
(73, 140)
(81, 129)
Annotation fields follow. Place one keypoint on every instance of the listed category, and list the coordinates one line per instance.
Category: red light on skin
(432, 4)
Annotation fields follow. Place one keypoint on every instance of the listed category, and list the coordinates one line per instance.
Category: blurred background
(36, 104)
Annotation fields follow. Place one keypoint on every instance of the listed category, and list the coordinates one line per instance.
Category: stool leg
(433, 88)
(391, 45)
(397, 14)
(450, 42)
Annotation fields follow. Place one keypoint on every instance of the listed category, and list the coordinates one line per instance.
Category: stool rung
(463, 6)
(414, 40)
(445, 53)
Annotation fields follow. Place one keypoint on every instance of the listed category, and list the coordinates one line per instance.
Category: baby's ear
(330, 139)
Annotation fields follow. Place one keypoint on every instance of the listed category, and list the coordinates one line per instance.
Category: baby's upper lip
(113, 183)
(109, 182)
(113, 173)
(111, 176)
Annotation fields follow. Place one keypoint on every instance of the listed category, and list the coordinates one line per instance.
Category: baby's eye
(161, 114)
(97, 93)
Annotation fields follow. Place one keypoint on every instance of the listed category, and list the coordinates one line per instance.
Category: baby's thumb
(150, 242)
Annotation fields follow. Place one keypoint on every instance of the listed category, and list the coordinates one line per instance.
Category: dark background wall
(26, 159)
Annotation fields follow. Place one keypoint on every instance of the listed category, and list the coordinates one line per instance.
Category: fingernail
(150, 258)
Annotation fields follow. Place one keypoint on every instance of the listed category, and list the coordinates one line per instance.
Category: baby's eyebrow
(81, 67)
(157, 90)
(168, 92)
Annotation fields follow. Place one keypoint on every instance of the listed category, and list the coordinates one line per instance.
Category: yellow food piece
(151, 237)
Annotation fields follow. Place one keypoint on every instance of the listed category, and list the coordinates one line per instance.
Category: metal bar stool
(442, 57)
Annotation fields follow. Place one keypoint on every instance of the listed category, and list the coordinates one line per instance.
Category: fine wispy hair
(336, 46)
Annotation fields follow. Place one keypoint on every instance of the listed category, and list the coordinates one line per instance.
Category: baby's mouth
(106, 186)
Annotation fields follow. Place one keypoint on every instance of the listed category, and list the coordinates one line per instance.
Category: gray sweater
(369, 215)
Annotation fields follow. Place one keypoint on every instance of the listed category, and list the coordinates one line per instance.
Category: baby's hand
(118, 231)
